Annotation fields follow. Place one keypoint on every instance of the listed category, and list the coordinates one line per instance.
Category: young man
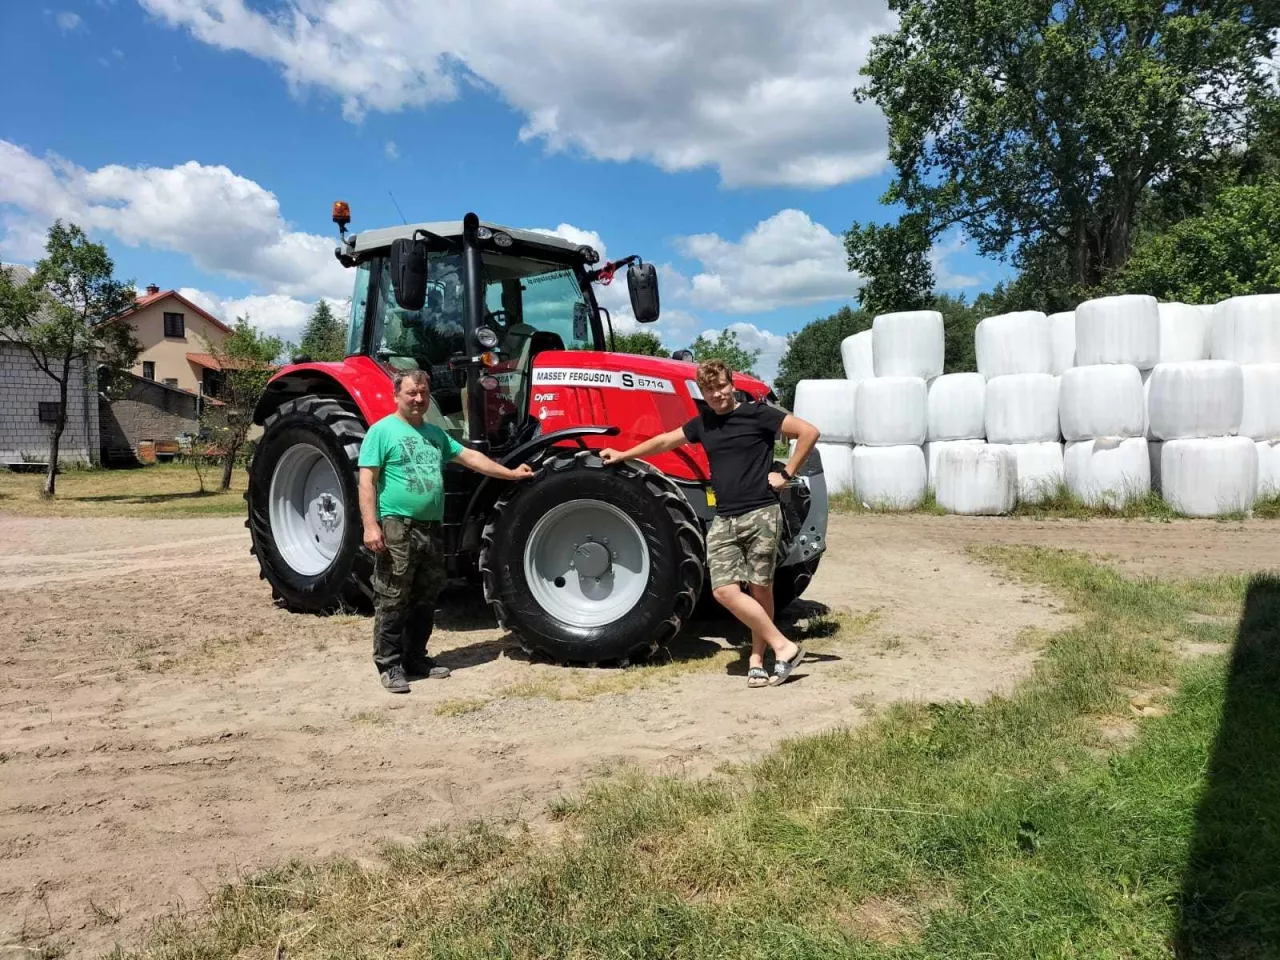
(402, 503)
(742, 544)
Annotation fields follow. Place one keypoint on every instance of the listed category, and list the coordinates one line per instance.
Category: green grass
(155, 492)
(1010, 829)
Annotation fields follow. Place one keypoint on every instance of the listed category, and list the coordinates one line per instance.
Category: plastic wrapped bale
(837, 466)
(1022, 408)
(828, 405)
(1247, 329)
(977, 480)
(889, 478)
(1102, 400)
(1260, 416)
(1122, 329)
(855, 354)
(1268, 468)
(909, 344)
(890, 411)
(934, 449)
(1184, 333)
(1194, 398)
(1154, 448)
(1039, 470)
(957, 407)
(1109, 471)
(1014, 343)
(1209, 477)
(1062, 338)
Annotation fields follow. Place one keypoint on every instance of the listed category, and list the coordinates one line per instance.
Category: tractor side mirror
(409, 273)
(642, 284)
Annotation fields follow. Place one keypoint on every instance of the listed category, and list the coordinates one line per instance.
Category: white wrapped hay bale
(1247, 329)
(1102, 400)
(889, 478)
(908, 344)
(1014, 343)
(1194, 398)
(1039, 470)
(1062, 339)
(977, 480)
(1122, 329)
(855, 354)
(837, 466)
(1260, 413)
(889, 411)
(957, 407)
(1184, 332)
(1110, 471)
(1209, 477)
(1268, 468)
(828, 405)
(934, 449)
(1022, 408)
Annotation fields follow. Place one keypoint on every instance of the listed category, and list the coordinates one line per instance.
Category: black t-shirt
(739, 446)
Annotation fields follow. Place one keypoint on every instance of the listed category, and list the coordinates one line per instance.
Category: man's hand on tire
(610, 455)
(373, 538)
(522, 472)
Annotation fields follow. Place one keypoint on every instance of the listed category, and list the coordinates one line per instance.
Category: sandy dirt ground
(164, 727)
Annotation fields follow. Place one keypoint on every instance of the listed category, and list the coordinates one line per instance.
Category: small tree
(645, 343)
(727, 348)
(324, 337)
(247, 359)
(64, 316)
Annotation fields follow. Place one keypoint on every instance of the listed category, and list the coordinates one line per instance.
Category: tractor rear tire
(589, 563)
(304, 513)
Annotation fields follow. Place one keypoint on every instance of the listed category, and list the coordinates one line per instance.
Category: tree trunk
(228, 465)
(51, 478)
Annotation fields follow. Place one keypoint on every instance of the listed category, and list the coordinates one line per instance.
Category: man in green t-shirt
(402, 504)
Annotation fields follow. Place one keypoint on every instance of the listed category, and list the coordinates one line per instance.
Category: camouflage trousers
(407, 578)
(744, 549)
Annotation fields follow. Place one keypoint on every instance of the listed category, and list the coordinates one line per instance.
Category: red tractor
(583, 563)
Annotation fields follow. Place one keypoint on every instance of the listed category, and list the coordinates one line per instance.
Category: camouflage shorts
(744, 549)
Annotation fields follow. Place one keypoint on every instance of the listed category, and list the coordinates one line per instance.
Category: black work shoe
(393, 679)
(425, 668)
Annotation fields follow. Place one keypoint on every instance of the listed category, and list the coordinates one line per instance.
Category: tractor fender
(490, 488)
(811, 541)
(358, 379)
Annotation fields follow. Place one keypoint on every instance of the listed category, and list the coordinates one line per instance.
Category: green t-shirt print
(410, 459)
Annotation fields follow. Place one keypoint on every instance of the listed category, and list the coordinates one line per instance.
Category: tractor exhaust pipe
(473, 316)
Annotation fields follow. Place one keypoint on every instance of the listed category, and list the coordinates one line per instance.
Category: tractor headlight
(486, 337)
(483, 233)
(502, 240)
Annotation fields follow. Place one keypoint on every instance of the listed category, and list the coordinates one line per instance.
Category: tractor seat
(544, 340)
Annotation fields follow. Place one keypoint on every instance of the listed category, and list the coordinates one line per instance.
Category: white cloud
(759, 90)
(68, 21)
(275, 314)
(391, 150)
(225, 223)
(944, 277)
(750, 337)
(784, 260)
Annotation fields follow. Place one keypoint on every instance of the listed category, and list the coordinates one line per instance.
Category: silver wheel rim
(308, 514)
(586, 563)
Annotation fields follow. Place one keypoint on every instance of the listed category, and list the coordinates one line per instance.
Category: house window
(170, 381)
(48, 413)
(175, 325)
(148, 370)
(212, 383)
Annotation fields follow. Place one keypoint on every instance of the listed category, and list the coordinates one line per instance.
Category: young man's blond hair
(713, 371)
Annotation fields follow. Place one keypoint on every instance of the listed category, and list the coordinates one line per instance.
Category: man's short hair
(711, 372)
(420, 377)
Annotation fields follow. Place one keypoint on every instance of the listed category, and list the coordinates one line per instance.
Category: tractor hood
(587, 368)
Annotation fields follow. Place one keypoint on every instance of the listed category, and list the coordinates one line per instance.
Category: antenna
(398, 210)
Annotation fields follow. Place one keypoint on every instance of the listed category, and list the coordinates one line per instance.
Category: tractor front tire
(304, 512)
(590, 563)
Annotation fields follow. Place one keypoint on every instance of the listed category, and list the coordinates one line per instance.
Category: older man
(402, 504)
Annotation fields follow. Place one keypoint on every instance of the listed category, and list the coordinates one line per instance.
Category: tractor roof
(370, 240)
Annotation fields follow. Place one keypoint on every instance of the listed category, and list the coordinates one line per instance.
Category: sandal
(756, 677)
(782, 669)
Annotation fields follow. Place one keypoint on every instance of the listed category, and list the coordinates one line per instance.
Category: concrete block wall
(23, 386)
(149, 411)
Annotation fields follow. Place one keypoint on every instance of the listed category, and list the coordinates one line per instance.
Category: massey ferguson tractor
(582, 562)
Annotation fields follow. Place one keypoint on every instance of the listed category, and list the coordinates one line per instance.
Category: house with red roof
(176, 337)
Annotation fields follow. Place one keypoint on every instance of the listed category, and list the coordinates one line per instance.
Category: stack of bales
(1246, 330)
(1018, 354)
(1101, 402)
(829, 406)
(891, 413)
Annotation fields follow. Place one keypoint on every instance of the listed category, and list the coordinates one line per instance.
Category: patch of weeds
(104, 916)
(460, 706)
(1267, 509)
(369, 718)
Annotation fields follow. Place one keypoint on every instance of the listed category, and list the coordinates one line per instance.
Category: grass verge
(1007, 829)
(161, 491)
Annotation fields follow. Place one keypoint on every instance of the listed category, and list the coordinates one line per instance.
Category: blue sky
(204, 141)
